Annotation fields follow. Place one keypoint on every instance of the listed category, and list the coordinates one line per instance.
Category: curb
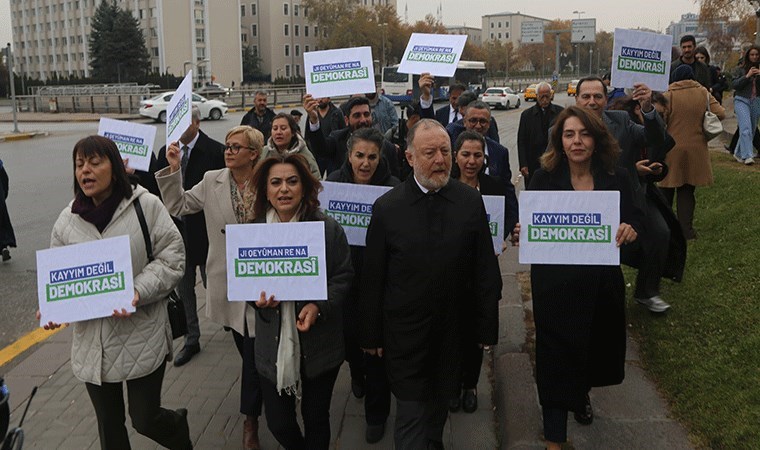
(22, 136)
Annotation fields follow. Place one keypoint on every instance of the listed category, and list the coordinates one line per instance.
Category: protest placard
(179, 111)
(134, 140)
(286, 260)
(568, 227)
(344, 71)
(641, 57)
(495, 211)
(85, 281)
(437, 54)
(351, 206)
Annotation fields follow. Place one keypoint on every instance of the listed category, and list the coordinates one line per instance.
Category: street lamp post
(184, 67)
(118, 72)
(578, 59)
(382, 58)
(579, 13)
(167, 76)
(9, 59)
(590, 59)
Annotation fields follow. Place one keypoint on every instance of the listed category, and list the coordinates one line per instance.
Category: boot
(251, 433)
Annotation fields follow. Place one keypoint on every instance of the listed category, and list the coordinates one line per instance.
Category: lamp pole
(9, 59)
(578, 47)
(590, 59)
(382, 59)
(167, 76)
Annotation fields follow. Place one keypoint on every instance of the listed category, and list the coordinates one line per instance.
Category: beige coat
(212, 196)
(113, 350)
(688, 161)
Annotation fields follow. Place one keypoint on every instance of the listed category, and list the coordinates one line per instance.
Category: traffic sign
(583, 30)
(532, 32)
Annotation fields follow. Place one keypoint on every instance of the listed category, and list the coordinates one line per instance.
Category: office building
(505, 26)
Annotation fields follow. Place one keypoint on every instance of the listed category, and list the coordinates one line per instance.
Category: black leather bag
(174, 307)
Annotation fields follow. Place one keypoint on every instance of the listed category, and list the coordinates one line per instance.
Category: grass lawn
(705, 351)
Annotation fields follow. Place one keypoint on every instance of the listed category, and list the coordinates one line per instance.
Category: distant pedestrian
(296, 115)
(701, 71)
(260, 116)
(718, 82)
(746, 86)
(125, 347)
(7, 236)
(533, 131)
(384, 115)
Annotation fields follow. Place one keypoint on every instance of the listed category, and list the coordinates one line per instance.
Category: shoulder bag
(174, 307)
(711, 125)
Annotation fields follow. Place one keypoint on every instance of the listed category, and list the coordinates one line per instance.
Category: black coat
(263, 124)
(431, 282)
(382, 177)
(533, 136)
(7, 236)
(332, 150)
(207, 154)
(456, 128)
(332, 121)
(579, 311)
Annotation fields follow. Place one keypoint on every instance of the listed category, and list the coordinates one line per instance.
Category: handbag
(174, 306)
(711, 125)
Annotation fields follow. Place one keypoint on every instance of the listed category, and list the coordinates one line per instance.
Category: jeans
(186, 291)
(164, 426)
(747, 115)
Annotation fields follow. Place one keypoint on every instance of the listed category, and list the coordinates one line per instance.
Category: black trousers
(654, 252)
(250, 382)
(370, 370)
(418, 423)
(472, 361)
(316, 394)
(166, 427)
(685, 205)
(555, 424)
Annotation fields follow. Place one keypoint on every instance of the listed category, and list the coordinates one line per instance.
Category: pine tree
(117, 45)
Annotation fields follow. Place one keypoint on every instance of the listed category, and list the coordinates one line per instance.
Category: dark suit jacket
(332, 151)
(533, 137)
(442, 115)
(498, 166)
(207, 154)
(456, 128)
(431, 283)
(631, 138)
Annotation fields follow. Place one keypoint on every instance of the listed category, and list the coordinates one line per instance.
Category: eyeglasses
(235, 148)
(475, 121)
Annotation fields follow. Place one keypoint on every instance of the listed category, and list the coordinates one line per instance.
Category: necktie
(456, 114)
(185, 158)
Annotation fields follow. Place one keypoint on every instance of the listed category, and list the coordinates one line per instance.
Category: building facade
(474, 35)
(51, 37)
(505, 27)
(279, 33)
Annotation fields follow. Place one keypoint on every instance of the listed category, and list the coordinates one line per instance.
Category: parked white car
(501, 97)
(155, 108)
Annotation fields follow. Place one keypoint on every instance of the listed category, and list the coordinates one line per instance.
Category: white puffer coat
(111, 349)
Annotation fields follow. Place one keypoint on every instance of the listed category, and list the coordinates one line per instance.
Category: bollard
(92, 105)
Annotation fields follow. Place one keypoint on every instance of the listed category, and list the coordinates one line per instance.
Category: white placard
(641, 57)
(345, 71)
(286, 260)
(495, 211)
(437, 54)
(351, 206)
(134, 140)
(532, 32)
(85, 281)
(567, 227)
(179, 111)
(583, 30)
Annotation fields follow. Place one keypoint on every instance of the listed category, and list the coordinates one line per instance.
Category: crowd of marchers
(412, 310)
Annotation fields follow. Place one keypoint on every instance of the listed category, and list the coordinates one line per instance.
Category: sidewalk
(630, 416)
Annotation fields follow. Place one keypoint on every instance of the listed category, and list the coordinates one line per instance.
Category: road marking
(24, 343)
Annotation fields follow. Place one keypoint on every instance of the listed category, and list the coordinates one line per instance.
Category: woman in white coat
(226, 197)
(127, 347)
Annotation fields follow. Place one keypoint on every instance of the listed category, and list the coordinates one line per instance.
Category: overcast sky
(654, 14)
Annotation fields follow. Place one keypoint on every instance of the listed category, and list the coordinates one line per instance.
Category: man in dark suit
(260, 116)
(478, 118)
(651, 251)
(533, 132)
(430, 283)
(426, 83)
(333, 149)
(199, 154)
(450, 113)
(701, 70)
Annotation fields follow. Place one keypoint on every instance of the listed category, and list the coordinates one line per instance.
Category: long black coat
(431, 282)
(533, 136)
(207, 154)
(579, 311)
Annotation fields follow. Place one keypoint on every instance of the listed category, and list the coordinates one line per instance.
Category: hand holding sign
(625, 234)
(310, 104)
(173, 156)
(426, 84)
(643, 95)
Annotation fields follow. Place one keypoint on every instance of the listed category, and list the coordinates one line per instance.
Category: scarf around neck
(99, 215)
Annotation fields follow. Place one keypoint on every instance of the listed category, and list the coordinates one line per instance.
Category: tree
(117, 45)
(251, 64)
(713, 14)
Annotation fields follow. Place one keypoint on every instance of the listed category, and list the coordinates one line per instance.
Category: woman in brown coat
(689, 161)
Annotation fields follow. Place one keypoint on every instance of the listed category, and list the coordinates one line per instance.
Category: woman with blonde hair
(225, 196)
